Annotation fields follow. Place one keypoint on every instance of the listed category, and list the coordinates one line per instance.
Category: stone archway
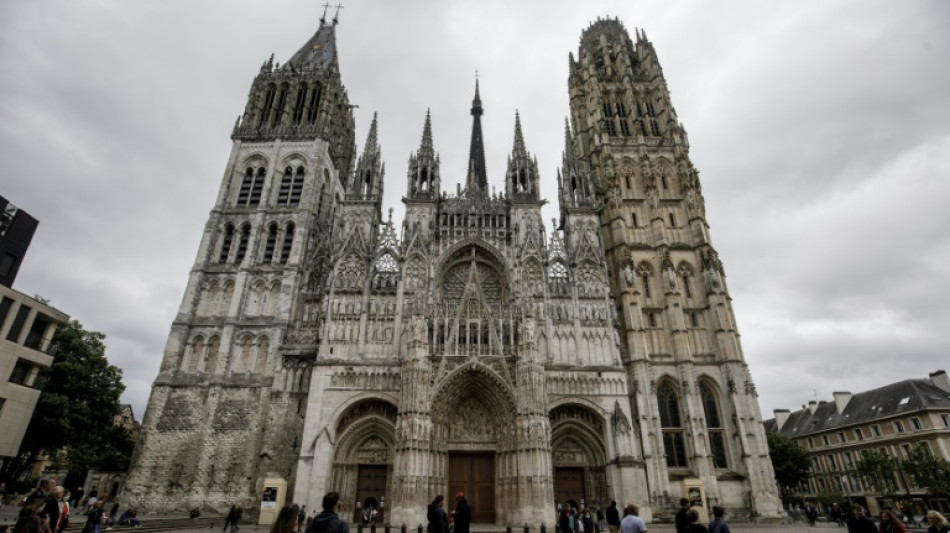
(473, 420)
(363, 456)
(579, 455)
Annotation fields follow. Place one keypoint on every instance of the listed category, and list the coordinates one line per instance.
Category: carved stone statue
(529, 329)
(628, 275)
(419, 329)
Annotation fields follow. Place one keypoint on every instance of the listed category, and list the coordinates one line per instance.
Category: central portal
(473, 474)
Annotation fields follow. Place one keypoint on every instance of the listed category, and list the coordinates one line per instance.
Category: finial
(323, 19)
(336, 16)
(390, 216)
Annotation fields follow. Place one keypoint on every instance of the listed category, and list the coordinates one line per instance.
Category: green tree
(877, 468)
(75, 411)
(789, 461)
(927, 471)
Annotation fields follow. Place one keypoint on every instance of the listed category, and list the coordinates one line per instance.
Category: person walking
(229, 519)
(890, 523)
(859, 523)
(30, 519)
(694, 525)
(682, 517)
(632, 523)
(328, 521)
(462, 514)
(286, 521)
(94, 518)
(613, 518)
(438, 520)
(718, 523)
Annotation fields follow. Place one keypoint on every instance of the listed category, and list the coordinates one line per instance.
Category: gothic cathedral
(469, 348)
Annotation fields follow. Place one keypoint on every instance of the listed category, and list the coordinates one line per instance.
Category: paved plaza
(658, 528)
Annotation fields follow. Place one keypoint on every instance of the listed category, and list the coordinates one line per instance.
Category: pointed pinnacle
(519, 137)
(427, 131)
(371, 138)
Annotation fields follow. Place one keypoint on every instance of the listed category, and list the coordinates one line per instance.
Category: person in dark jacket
(859, 523)
(438, 520)
(682, 517)
(564, 519)
(613, 517)
(462, 514)
(328, 521)
(231, 518)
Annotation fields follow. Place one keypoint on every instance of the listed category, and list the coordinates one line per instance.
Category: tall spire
(477, 182)
(426, 146)
(519, 137)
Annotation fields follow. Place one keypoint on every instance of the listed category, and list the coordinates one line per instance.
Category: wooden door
(473, 474)
(569, 484)
(370, 487)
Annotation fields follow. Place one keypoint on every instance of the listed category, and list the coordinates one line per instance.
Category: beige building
(26, 329)
(321, 346)
(893, 419)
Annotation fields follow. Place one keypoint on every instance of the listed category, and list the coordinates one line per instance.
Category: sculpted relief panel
(472, 422)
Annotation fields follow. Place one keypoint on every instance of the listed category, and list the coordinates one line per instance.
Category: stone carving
(628, 275)
(472, 422)
(364, 409)
(373, 451)
(529, 330)
(620, 422)
(419, 330)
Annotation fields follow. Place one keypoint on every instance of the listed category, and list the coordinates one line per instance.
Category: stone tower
(627, 166)
(472, 350)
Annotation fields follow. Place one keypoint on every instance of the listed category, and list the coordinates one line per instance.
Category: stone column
(534, 476)
(411, 468)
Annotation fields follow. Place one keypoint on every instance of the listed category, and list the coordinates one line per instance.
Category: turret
(367, 182)
(423, 179)
(302, 100)
(574, 185)
(521, 180)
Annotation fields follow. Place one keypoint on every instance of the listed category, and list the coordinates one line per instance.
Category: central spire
(477, 182)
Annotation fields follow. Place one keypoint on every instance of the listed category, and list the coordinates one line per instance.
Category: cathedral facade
(469, 347)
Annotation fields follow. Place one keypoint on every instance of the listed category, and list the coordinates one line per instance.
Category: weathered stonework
(474, 349)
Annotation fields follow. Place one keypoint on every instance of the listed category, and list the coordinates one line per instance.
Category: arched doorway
(474, 429)
(363, 458)
(578, 456)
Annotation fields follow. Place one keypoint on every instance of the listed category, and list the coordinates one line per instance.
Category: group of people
(440, 522)
(572, 520)
(687, 520)
(855, 518)
(47, 510)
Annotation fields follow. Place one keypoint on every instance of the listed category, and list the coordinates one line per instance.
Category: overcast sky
(821, 131)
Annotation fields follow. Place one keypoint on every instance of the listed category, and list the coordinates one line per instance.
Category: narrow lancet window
(288, 244)
(226, 244)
